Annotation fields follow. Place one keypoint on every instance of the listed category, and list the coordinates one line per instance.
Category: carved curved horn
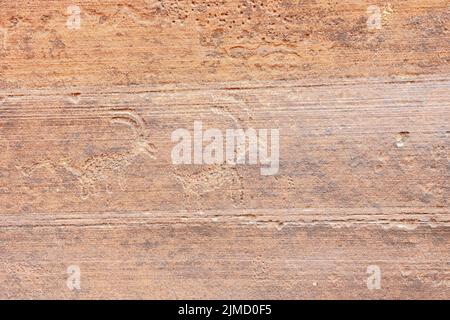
(131, 118)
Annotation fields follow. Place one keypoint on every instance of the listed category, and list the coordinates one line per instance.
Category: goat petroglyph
(220, 176)
(105, 168)
(198, 183)
(101, 167)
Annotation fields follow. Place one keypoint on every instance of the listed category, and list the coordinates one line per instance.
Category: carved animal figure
(105, 168)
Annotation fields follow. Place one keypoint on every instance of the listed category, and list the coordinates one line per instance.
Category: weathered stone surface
(86, 175)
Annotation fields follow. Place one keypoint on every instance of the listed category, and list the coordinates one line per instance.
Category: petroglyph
(106, 168)
(197, 183)
(232, 107)
(218, 177)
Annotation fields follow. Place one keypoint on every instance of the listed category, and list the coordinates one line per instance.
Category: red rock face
(93, 206)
